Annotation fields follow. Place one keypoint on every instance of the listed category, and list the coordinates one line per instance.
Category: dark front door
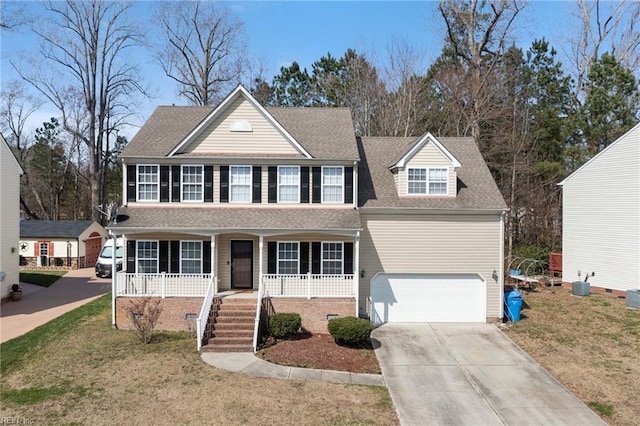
(241, 264)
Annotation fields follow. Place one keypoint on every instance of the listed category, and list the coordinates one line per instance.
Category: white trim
(182, 183)
(239, 91)
(231, 201)
(634, 128)
(138, 183)
(157, 258)
(297, 200)
(322, 185)
(427, 169)
(501, 267)
(427, 138)
(297, 243)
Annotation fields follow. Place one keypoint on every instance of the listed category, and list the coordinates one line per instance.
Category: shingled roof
(476, 189)
(211, 218)
(326, 133)
(53, 228)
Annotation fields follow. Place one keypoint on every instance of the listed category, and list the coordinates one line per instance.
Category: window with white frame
(240, 184)
(147, 182)
(147, 256)
(44, 249)
(191, 257)
(288, 184)
(332, 184)
(192, 183)
(332, 258)
(288, 258)
(438, 181)
(417, 181)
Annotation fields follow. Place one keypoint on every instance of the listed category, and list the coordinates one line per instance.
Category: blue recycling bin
(513, 302)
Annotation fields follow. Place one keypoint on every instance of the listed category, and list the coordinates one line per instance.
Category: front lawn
(78, 370)
(590, 344)
(41, 278)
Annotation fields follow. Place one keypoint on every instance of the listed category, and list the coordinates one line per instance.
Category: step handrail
(256, 326)
(201, 323)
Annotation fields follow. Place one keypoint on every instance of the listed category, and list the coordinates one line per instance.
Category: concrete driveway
(470, 374)
(40, 305)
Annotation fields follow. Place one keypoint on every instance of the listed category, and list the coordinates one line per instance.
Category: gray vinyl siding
(432, 244)
(601, 217)
(427, 157)
(9, 218)
(264, 139)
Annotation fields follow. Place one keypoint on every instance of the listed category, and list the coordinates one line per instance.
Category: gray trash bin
(633, 299)
(581, 288)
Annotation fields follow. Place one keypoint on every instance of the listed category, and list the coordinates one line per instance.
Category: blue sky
(284, 31)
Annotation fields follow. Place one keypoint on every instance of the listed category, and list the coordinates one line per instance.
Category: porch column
(114, 277)
(213, 264)
(356, 271)
(260, 267)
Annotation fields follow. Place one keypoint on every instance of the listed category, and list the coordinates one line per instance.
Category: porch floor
(238, 294)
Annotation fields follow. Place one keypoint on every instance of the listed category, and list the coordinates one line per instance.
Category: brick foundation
(314, 311)
(599, 290)
(172, 318)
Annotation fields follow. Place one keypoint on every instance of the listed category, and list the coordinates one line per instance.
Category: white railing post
(356, 272)
(256, 325)
(308, 285)
(163, 284)
(201, 322)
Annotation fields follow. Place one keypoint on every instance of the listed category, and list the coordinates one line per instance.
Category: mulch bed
(320, 351)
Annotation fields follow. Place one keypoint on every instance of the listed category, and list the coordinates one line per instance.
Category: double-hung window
(288, 184)
(192, 183)
(332, 258)
(240, 184)
(148, 182)
(147, 256)
(191, 257)
(332, 184)
(423, 181)
(438, 181)
(288, 258)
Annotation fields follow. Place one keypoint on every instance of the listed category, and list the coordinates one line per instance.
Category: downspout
(114, 273)
(356, 272)
(501, 266)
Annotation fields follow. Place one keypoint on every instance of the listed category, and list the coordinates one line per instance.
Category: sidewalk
(40, 305)
(249, 364)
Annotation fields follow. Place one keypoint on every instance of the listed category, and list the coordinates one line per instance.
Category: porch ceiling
(211, 219)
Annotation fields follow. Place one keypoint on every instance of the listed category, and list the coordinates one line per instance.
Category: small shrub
(350, 331)
(284, 325)
(144, 315)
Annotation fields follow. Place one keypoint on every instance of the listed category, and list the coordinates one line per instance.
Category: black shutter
(317, 184)
(257, 184)
(164, 184)
(131, 256)
(174, 266)
(163, 253)
(304, 184)
(175, 184)
(316, 252)
(224, 184)
(273, 185)
(304, 258)
(348, 185)
(272, 253)
(348, 258)
(208, 184)
(131, 183)
(206, 256)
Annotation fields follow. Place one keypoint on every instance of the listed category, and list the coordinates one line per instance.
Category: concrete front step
(227, 348)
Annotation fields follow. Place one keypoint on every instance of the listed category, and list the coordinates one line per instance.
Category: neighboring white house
(10, 172)
(601, 217)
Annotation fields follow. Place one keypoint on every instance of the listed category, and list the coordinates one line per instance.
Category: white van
(105, 260)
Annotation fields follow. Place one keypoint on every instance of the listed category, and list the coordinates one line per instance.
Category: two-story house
(289, 206)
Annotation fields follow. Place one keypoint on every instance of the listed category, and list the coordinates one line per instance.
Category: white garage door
(428, 298)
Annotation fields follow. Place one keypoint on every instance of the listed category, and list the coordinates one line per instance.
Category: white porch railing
(203, 318)
(161, 285)
(308, 285)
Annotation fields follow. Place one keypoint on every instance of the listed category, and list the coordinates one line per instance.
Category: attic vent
(241, 126)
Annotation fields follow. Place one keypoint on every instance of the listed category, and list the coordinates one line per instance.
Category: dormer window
(427, 181)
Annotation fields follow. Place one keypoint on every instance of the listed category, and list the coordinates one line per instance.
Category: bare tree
(607, 26)
(203, 48)
(478, 33)
(82, 52)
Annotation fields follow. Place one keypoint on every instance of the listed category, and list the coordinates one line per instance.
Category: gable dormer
(426, 169)
(239, 126)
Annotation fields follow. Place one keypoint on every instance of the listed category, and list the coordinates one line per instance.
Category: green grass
(41, 278)
(36, 395)
(16, 351)
(603, 409)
